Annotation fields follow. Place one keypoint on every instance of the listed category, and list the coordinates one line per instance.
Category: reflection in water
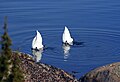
(66, 49)
(37, 55)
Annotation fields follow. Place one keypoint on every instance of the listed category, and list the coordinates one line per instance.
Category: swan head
(37, 41)
(67, 39)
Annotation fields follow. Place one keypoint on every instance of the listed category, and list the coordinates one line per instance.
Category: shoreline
(41, 72)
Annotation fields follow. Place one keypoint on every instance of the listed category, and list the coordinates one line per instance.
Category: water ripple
(98, 43)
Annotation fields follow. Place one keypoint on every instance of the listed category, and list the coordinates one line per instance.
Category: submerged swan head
(37, 41)
(67, 39)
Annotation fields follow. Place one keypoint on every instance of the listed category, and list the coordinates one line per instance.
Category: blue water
(96, 23)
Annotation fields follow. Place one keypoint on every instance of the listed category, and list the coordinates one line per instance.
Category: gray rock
(108, 73)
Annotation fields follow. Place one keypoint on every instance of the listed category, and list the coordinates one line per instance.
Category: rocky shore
(40, 72)
(108, 73)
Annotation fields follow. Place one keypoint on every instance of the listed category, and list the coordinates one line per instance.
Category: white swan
(37, 42)
(67, 37)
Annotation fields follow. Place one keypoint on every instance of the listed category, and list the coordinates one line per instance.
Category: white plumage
(37, 41)
(67, 37)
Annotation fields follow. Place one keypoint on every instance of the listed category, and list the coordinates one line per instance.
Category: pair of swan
(37, 41)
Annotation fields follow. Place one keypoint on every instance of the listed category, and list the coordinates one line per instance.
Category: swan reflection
(37, 54)
(66, 49)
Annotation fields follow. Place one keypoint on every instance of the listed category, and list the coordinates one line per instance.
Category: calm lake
(94, 23)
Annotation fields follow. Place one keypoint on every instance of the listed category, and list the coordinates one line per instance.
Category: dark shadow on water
(74, 72)
(49, 48)
(78, 44)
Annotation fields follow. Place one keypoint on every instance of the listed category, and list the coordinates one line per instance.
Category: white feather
(66, 36)
(37, 41)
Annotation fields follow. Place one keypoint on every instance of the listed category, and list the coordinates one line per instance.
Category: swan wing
(67, 36)
(39, 37)
(37, 41)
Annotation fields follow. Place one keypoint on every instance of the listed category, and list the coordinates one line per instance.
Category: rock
(40, 72)
(108, 73)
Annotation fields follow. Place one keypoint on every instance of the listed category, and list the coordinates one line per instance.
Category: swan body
(37, 41)
(67, 39)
